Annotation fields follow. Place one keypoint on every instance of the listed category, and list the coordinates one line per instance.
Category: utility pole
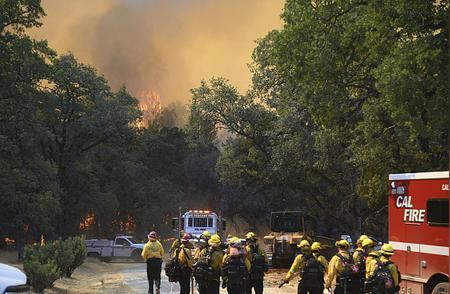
(179, 223)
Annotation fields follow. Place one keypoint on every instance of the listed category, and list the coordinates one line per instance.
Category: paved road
(135, 278)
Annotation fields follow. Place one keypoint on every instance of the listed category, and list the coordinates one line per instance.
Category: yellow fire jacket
(152, 249)
(371, 263)
(335, 267)
(299, 264)
(358, 255)
(185, 256)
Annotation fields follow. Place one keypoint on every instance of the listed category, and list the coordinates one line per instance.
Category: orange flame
(87, 221)
(9, 241)
(150, 105)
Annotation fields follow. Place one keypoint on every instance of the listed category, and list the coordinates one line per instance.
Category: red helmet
(153, 235)
(186, 237)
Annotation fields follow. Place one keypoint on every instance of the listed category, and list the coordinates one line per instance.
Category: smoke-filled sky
(162, 45)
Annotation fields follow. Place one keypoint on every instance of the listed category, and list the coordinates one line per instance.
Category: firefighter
(153, 253)
(235, 267)
(216, 257)
(338, 270)
(368, 246)
(201, 267)
(185, 260)
(258, 264)
(316, 248)
(359, 258)
(383, 273)
(311, 271)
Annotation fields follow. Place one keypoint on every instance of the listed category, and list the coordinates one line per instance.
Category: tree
(82, 114)
(367, 74)
(27, 183)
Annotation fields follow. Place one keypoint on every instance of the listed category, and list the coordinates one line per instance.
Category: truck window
(190, 222)
(210, 222)
(200, 222)
(122, 242)
(437, 212)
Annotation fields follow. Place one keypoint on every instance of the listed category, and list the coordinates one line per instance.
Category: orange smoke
(169, 44)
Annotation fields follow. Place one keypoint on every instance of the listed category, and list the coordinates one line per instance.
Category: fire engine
(195, 222)
(419, 231)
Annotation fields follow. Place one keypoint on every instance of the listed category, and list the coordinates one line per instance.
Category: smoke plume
(166, 46)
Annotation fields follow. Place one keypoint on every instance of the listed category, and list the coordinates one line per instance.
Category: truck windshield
(132, 240)
(201, 222)
(287, 222)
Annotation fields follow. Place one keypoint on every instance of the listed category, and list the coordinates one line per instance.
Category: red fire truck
(419, 231)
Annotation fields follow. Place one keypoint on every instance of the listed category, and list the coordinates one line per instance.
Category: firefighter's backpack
(258, 264)
(173, 268)
(203, 271)
(235, 270)
(312, 272)
(382, 280)
(351, 272)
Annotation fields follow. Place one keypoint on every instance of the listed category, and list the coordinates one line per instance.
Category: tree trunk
(20, 240)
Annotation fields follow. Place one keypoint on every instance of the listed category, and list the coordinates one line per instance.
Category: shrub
(78, 252)
(41, 274)
(44, 264)
(63, 256)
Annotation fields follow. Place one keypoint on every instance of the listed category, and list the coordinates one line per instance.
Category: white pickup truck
(120, 247)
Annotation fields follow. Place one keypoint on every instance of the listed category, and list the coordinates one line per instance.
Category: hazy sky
(162, 45)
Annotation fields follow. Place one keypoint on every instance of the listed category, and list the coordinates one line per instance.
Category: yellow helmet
(342, 243)
(316, 246)
(235, 240)
(361, 238)
(387, 249)
(367, 243)
(250, 236)
(303, 243)
(214, 240)
(206, 234)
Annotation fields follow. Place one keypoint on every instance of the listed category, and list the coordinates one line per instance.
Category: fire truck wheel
(441, 288)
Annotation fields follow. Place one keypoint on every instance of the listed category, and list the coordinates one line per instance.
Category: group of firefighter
(241, 264)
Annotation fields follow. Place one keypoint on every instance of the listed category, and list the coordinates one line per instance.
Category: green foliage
(344, 94)
(45, 264)
(20, 14)
(40, 266)
(75, 245)
(41, 275)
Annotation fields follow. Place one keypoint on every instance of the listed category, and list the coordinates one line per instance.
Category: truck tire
(136, 256)
(441, 288)
(105, 259)
(93, 254)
